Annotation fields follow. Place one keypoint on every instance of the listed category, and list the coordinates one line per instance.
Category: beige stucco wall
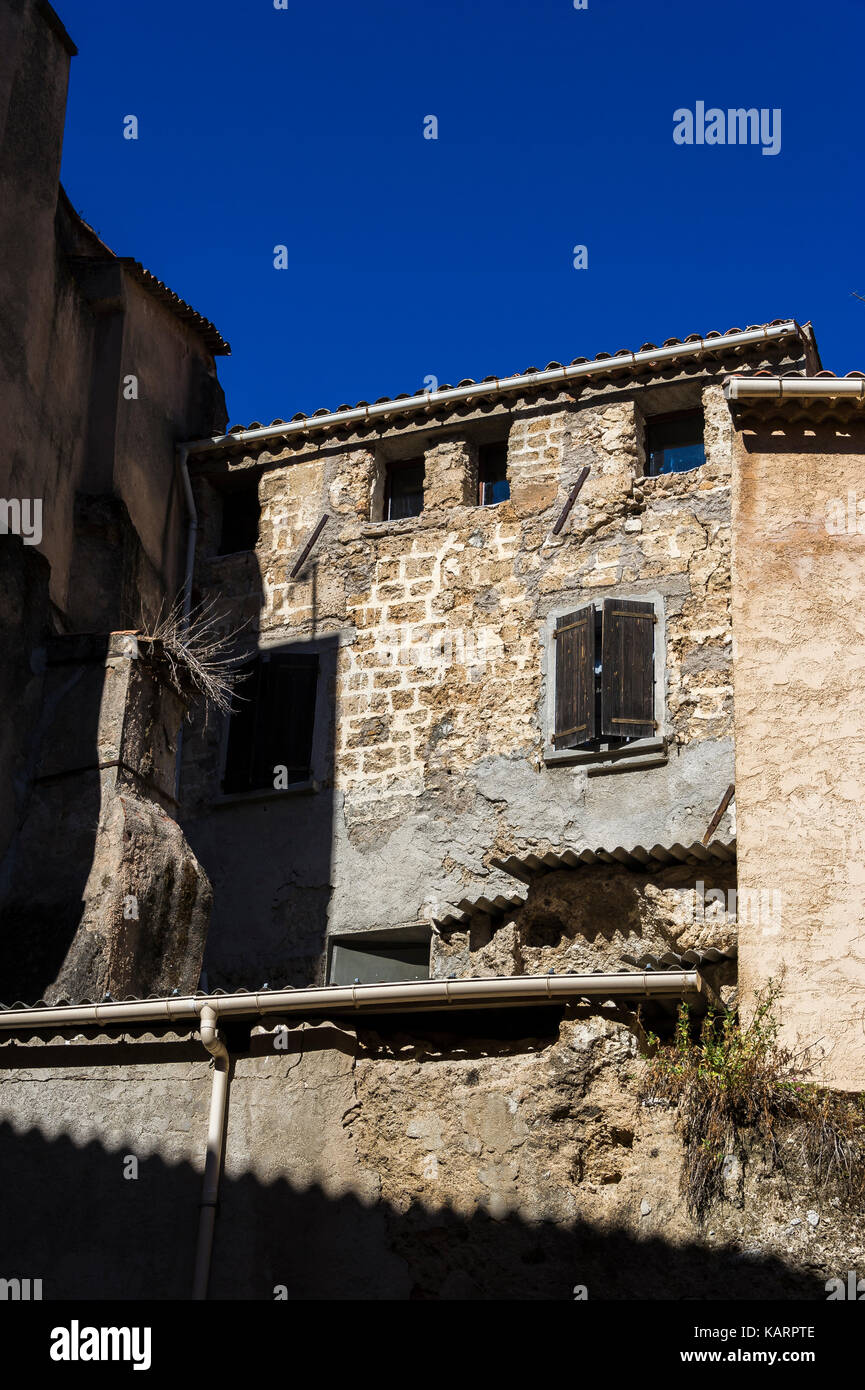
(799, 694)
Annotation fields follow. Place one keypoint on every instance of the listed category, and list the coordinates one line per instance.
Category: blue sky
(453, 257)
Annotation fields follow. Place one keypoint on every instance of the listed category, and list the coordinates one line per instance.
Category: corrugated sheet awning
(528, 867)
(673, 960)
(496, 908)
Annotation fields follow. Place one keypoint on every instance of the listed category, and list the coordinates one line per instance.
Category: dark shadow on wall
(790, 431)
(70, 1218)
(54, 686)
(268, 852)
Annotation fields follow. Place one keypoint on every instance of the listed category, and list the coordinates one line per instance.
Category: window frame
(322, 718)
(393, 466)
(666, 418)
(380, 945)
(492, 444)
(606, 753)
(226, 489)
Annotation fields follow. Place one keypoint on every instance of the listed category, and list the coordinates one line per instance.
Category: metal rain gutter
(497, 386)
(739, 388)
(406, 996)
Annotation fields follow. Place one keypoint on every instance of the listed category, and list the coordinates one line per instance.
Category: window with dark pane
(273, 723)
(241, 513)
(404, 490)
(370, 963)
(674, 443)
(493, 485)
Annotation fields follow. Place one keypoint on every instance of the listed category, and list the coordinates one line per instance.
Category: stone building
(102, 369)
(432, 652)
(548, 725)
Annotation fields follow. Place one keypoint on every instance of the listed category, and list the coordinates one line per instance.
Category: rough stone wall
(799, 675)
(403, 1162)
(99, 891)
(438, 709)
(594, 918)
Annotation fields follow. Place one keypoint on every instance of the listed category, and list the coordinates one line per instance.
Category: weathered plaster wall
(508, 1159)
(45, 347)
(438, 717)
(799, 676)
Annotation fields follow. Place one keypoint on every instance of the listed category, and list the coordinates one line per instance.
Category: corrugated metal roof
(672, 960)
(616, 366)
(500, 906)
(528, 867)
(207, 331)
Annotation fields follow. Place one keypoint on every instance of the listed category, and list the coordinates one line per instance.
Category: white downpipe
(407, 996)
(496, 386)
(213, 1154)
(192, 530)
(740, 388)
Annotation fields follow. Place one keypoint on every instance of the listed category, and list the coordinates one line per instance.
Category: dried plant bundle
(199, 651)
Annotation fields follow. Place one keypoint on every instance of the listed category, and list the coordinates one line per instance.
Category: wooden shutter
(628, 669)
(575, 679)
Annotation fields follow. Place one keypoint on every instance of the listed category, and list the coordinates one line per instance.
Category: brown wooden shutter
(628, 669)
(575, 679)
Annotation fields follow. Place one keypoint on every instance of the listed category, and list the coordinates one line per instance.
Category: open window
(241, 515)
(674, 443)
(404, 489)
(493, 484)
(605, 674)
(270, 733)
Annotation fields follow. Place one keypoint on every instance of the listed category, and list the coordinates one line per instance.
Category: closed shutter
(575, 679)
(628, 669)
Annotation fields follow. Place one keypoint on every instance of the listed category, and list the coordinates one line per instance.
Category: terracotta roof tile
(620, 355)
(209, 333)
